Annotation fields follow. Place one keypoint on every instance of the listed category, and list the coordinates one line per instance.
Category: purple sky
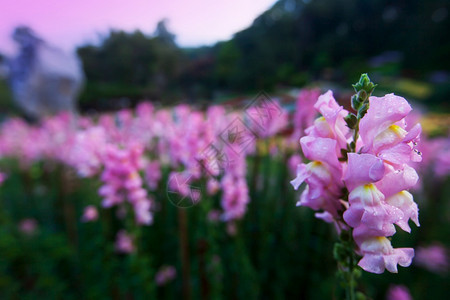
(67, 23)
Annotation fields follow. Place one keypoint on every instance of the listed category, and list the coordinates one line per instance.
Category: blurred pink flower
(231, 228)
(90, 214)
(293, 162)
(87, 150)
(434, 258)
(213, 215)
(304, 113)
(28, 226)
(398, 292)
(268, 117)
(153, 174)
(2, 177)
(235, 195)
(212, 186)
(165, 274)
(124, 242)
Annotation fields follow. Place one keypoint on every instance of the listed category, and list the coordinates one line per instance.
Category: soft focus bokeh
(146, 148)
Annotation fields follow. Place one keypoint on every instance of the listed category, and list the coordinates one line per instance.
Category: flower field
(197, 203)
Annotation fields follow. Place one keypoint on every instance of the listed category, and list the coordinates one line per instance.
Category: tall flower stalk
(358, 176)
(344, 250)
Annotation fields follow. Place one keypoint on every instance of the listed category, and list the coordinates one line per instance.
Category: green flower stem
(344, 251)
(350, 291)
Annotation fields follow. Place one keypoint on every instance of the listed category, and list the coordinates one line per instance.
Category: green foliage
(6, 102)
(278, 251)
(290, 44)
(125, 62)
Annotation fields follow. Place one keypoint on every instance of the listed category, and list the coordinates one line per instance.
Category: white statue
(44, 79)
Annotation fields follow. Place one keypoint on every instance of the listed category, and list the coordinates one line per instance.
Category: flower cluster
(360, 173)
(122, 181)
(117, 147)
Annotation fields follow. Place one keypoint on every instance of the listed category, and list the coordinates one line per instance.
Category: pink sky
(67, 23)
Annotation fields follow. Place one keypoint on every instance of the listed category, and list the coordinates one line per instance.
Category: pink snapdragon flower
(331, 123)
(323, 191)
(366, 202)
(379, 254)
(383, 131)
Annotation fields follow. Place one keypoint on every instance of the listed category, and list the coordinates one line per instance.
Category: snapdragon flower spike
(373, 163)
(378, 180)
(122, 182)
(235, 195)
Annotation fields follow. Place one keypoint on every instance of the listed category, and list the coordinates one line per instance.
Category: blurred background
(203, 52)
(139, 69)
